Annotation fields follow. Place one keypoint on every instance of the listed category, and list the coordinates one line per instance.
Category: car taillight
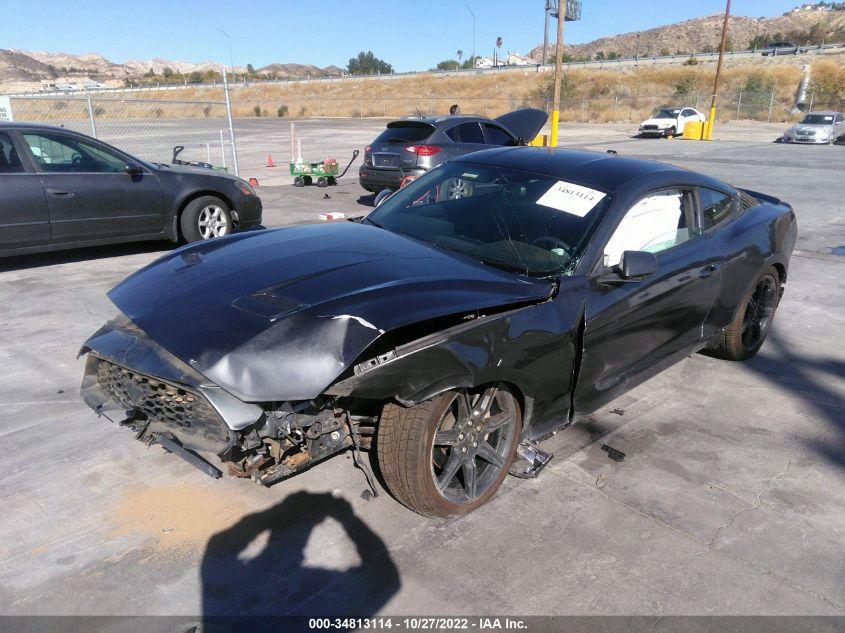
(424, 150)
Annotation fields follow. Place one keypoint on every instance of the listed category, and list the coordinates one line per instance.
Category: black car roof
(603, 171)
(39, 126)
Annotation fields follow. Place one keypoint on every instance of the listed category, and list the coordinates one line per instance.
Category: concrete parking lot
(731, 499)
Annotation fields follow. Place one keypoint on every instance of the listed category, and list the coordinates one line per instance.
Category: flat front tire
(449, 455)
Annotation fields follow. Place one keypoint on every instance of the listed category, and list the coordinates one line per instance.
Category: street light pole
(561, 18)
(711, 121)
(231, 62)
(473, 32)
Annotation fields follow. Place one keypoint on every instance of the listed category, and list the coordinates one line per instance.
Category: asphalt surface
(731, 498)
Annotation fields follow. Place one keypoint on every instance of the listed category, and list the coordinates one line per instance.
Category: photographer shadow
(238, 582)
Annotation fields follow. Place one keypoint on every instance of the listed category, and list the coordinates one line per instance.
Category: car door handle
(709, 269)
(59, 192)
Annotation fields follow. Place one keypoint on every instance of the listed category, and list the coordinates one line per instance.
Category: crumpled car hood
(279, 315)
(666, 122)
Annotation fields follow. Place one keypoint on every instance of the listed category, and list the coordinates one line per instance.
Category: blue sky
(410, 35)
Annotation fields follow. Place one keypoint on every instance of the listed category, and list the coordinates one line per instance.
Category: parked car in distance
(447, 335)
(817, 128)
(411, 147)
(782, 48)
(670, 122)
(61, 189)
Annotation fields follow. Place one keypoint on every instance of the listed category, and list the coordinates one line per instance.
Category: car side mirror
(134, 170)
(637, 265)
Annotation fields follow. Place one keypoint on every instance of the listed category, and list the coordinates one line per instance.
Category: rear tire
(205, 218)
(744, 337)
(447, 456)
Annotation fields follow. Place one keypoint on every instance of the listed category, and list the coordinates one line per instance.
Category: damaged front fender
(533, 348)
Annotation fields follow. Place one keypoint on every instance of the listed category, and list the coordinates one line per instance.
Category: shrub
(257, 110)
(692, 61)
(282, 110)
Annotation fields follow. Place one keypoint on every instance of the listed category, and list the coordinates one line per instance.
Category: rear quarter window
(405, 134)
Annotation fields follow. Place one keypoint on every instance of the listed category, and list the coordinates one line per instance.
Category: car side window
(715, 207)
(469, 133)
(10, 161)
(688, 112)
(498, 136)
(656, 223)
(58, 153)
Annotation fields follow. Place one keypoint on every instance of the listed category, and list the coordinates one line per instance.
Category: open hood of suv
(524, 123)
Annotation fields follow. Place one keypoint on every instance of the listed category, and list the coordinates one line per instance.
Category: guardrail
(679, 58)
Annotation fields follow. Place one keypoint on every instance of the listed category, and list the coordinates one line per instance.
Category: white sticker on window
(570, 198)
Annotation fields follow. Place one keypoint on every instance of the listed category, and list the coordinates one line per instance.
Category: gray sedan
(817, 128)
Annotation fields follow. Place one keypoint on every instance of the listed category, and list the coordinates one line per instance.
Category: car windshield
(818, 119)
(667, 113)
(524, 222)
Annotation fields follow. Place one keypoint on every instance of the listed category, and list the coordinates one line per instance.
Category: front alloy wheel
(213, 221)
(449, 455)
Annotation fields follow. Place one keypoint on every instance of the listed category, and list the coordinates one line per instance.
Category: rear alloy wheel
(205, 218)
(449, 455)
(745, 336)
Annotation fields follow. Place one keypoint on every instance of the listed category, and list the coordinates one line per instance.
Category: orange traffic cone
(270, 162)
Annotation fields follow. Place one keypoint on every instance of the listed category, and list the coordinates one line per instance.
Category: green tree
(195, 77)
(368, 64)
(250, 69)
(167, 71)
(447, 64)
(469, 62)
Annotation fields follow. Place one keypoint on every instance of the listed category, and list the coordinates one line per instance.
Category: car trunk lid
(390, 149)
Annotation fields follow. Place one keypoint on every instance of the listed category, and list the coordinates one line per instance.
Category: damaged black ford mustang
(449, 334)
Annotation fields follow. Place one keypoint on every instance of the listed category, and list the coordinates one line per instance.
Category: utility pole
(546, 32)
(711, 122)
(561, 18)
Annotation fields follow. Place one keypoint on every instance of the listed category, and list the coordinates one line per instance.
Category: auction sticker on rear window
(570, 198)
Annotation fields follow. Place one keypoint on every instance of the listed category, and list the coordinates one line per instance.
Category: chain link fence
(146, 128)
(766, 105)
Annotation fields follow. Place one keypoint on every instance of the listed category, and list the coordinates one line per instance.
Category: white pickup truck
(670, 121)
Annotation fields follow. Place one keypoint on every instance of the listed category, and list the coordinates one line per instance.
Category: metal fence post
(91, 115)
(231, 125)
(771, 105)
(739, 105)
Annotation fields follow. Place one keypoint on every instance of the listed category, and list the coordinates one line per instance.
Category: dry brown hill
(703, 34)
(24, 70)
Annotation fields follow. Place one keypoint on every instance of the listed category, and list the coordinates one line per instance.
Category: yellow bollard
(555, 124)
(709, 125)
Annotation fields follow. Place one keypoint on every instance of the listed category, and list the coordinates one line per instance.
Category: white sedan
(670, 121)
